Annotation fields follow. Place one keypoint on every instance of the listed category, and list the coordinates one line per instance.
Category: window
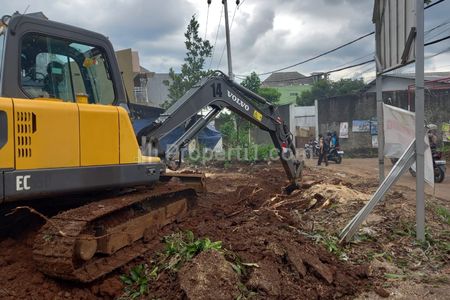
(62, 69)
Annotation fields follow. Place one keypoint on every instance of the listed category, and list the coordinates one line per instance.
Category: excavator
(66, 128)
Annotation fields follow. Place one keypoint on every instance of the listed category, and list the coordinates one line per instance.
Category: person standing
(322, 151)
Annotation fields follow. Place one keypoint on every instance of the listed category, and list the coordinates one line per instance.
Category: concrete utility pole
(420, 122)
(227, 34)
(380, 124)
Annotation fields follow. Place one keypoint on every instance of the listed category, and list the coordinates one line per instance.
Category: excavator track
(91, 241)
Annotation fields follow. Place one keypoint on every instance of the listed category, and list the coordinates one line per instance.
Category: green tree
(326, 88)
(252, 82)
(192, 69)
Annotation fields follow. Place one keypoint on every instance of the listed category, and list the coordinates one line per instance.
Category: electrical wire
(231, 26)
(319, 55)
(215, 41)
(207, 19)
(363, 63)
(335, 49)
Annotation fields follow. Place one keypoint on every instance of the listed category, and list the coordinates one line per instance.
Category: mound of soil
(245, 211)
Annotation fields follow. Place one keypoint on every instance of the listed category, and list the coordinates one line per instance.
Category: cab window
(64, 70)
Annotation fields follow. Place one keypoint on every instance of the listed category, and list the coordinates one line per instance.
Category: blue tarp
(208, 136)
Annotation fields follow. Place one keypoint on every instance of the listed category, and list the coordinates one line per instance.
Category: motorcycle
(335, 154)
(439, 167)
(312, 149)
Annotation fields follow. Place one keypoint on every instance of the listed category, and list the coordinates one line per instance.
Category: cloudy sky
(265, 34)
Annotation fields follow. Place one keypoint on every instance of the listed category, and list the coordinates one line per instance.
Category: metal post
(316, 112)
(379, 89)
(227, 33)
(420, 131)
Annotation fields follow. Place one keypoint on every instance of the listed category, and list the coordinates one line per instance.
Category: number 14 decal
(216, 90)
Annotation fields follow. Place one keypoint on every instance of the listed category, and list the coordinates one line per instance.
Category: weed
(444, 214)
(181, 247)
(136, 282)
(331, 243)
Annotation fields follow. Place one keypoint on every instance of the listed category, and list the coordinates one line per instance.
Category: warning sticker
(257, 115)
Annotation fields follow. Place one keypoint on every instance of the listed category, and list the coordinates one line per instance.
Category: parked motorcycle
(312, 149)
(439, 166)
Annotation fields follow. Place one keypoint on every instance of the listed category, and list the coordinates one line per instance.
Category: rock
(373, 219)
(362, 271)
(381, 292)
(209, 276)
(276, 249)
(266, 278)
(110, 288)
(296, 260)
(317, 265)
(307, 184)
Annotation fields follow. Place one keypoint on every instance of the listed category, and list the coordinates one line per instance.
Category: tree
(192, 69)
(326, 88)
(253, 83)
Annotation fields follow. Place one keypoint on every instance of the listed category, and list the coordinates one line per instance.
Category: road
(368, 167)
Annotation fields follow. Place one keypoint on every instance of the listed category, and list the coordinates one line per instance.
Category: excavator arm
(219, 92)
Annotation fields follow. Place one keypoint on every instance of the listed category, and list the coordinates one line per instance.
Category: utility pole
(227, 34)
(420, 122)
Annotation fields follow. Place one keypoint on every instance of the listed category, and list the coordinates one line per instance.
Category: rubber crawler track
(54, 253)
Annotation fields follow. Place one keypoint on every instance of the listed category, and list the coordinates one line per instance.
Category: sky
(265, 34)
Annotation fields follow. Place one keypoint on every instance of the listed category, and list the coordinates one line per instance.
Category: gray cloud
(266, 34)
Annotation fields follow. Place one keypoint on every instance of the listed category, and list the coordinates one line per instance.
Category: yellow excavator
(66, 129)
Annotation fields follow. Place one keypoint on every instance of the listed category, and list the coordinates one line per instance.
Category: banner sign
(343, 130)
(361, 126)
(399, 132)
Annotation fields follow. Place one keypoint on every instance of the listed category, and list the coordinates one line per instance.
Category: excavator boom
(219, 92)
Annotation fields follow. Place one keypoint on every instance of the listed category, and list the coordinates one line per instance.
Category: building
(135, 78)
(289, 84)
(157, 91)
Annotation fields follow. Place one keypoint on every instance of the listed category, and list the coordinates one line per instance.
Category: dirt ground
(288, 243)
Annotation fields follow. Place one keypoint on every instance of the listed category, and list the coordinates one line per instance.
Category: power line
(327, 72)
(365, 62)
(207, 18)
(215, 41)
(335, 49)
(320, 55)
(433, 4)
(231, 26)
(437, 41)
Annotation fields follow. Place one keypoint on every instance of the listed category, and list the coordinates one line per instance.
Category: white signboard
(399, 132)
(343, 130)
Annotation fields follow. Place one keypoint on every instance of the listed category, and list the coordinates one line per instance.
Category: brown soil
(276, 234)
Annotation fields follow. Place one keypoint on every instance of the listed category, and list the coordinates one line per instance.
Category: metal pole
(380, 127)
(227, 33)
(316, 112)
(420, 131)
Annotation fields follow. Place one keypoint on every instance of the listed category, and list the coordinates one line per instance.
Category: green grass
(444, 214)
